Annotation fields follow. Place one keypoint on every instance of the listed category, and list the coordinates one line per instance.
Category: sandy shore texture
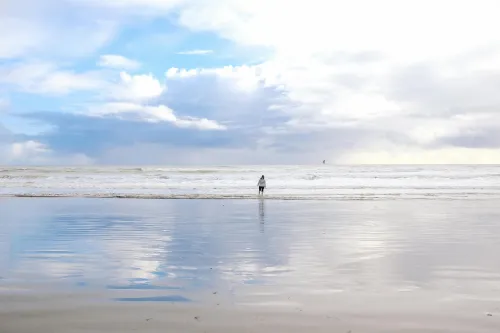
(65, 314)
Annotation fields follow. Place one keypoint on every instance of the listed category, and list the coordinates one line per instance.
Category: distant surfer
(262, 185)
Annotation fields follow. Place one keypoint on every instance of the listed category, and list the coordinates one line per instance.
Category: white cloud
(129, 94)
(347, 66)
(153, 7)
(46, 78)
(199, 123)
(28, 37)
(33, 29)
(118, 61)
(27, 149)
(368, 70)
(389, 25)
(160, 113)
(246, 78)
(139, 87)
(196, 52)
(32, 152)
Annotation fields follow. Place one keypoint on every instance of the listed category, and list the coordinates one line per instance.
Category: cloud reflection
(308, 246)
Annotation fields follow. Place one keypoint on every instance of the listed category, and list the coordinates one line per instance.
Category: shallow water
(279, 253)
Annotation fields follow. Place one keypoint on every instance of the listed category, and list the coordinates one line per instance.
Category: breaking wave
(284, 182)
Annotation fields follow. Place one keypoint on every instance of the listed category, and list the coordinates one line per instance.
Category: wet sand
(103, 265)
(69, 314)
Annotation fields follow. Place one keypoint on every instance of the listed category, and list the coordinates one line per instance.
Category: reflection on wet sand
(434, 251)
(262, 212)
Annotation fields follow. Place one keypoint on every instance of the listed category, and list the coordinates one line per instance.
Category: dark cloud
(213, 97)
(258, 132)
(4, 133)
(108, 138)
(427, 89)
(246, 115)
(92, 135)
(484, 138)
(7, 137)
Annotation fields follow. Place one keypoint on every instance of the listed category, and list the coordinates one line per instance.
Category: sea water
(284, 182)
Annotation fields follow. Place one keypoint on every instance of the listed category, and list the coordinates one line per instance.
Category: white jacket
(262, 183)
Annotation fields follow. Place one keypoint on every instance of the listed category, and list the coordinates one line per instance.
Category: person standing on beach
(262, 184)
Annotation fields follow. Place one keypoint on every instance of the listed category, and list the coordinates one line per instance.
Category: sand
(67, 316)
(88, 265)
(70, 314)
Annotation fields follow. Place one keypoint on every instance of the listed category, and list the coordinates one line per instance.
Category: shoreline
(368, 197)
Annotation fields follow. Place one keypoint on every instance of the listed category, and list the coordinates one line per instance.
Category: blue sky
(239, 82)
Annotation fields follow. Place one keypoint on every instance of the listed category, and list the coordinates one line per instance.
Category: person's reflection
(262, 213)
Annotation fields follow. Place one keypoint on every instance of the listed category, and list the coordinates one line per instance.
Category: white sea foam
(284, 182)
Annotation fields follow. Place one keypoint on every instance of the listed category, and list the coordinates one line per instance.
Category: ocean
(240, 182)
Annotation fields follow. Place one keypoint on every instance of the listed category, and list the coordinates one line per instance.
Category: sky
(194, 82)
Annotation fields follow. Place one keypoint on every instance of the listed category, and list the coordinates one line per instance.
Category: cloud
(47, 78)
(405, 85)
(35, 153)
(373, 102)
(255, 24)
(159, 113)
(136, 87)
(245, 78)
(154, 154)
(196, 52)
(44, 30)
(237, 96)
(118, 62)
(5, 134)
(151, 7)
(27, 148)
(345, 84)
(126, 131)
(136, 95)
(20, 150)
(27, 38)
(92, 136)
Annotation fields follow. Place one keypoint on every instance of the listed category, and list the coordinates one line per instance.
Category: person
(262, 184)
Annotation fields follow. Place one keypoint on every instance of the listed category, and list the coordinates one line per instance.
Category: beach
(254, 265)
